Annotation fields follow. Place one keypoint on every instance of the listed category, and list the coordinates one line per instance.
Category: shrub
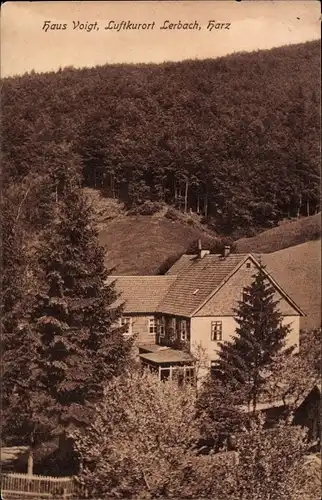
(215, 245)
(142, 443)
(147, 208)
(271, 462)
(168, 263)
(171, 214)
(142, 431)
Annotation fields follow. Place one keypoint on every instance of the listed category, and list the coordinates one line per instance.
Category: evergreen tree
(22, 400)
(245, 361)
(80, 347)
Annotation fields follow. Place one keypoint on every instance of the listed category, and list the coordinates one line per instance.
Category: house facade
(140, 297)
(181, 318)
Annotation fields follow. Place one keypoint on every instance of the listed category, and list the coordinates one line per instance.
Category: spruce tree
(22, 400)
(80, 347)
(246, 360)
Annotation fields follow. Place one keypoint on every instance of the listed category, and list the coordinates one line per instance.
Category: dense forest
(235, 139)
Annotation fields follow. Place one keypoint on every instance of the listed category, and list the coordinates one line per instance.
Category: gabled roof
(256, 260)
(141, 294)
(187, 287)
(197, 279)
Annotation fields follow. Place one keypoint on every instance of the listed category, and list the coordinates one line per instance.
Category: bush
(147, 208)
(168, 263)
(171, 214)
(215, 245)
(271, 463)
(142, 432)
(142, 443)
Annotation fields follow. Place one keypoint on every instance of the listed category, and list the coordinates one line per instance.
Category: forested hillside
(235, 138)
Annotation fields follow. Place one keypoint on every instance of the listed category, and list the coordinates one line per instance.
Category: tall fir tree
(245, 361)
(22, 400)
(80, 348)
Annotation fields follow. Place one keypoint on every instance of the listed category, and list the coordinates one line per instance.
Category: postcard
(161, 249)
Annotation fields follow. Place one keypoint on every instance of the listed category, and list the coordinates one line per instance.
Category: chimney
(201, 252)
(226, 250)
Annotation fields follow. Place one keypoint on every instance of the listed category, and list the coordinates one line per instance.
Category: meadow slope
(298, 271)
(139, 244)
(285, 235)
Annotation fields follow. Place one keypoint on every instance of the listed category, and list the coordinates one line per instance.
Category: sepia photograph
(161, 250)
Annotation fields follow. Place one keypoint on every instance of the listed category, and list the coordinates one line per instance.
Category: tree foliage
(140, 434)
(20, 395)
(60, 342)
(80, 348)
(235, 139)
(245, 362)
(142, 444)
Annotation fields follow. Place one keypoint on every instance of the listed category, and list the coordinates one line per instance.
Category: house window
(243, 295)
(216, 331)
(152, 326)
(248, 265)
(184, 330)
(126, 322)
(162, 328)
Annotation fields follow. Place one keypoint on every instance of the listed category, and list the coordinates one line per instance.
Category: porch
(168, 363)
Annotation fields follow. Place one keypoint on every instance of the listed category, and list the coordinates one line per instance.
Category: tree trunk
(198, 202)
(206, 205)
(186, 197)
(299, 207)
(95, 182)
(307, 207)
(112, 182)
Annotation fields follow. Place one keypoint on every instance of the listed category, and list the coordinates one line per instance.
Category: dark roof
(167, 355)
(141, 294)
(197, 279)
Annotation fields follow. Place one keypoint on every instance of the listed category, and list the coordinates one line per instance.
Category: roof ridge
(144, 276)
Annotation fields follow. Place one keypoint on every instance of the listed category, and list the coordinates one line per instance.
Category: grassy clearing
(298, 271)
(138, 245)
(287, 234)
